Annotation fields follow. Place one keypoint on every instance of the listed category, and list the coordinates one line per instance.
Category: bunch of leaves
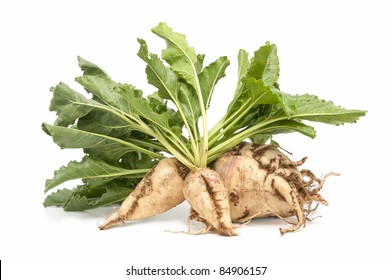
(124, 133)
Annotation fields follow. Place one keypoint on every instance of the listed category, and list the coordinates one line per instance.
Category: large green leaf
(305, 107)
(90, 68)
(243, 68)
(170, 88)
(104, 122)
(189, 105)
(107, 91)
(82, 198)
(209, 77)
(286, 126)
(107, 147)
(129, 103)
(199, 63)
(141, 107)
(276, 120)
(260, 94)
(243, 64)
(310, 107)
(158, 75)
(265, 65)
(180, 56)
(89, 168)
(255, 79)
(183, 60)
(58, 198)
(69, 105)
(78, 202)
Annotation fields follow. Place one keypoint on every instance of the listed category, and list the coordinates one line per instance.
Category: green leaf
(107, 92)
(305, 107)
(58, 198)
(243, 68)
(98, 190)
(265, 65)
(126, 101)
(170, 88)
(89, 167)
(199, 63)
(287, 126)
(258, 93)
(310, 107)
(89, 68)
(183, 60)
(107, 147)
(243, 65)
(256, 85)
(261, 139)
(69, 105)
(189, 106)
(163, 78)
(129, 103)
(159, 106)
(101, 122)
(180, 56)
(141, 107)
(136, 161)
(81, 198)
(79, 202)
(210, 76)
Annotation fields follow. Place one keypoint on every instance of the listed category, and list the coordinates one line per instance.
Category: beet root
(264, 182)
(159, 191)
(208, 196)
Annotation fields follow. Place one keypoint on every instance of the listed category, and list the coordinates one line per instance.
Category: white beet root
(263, 182)
(208, 196)
(159, 191)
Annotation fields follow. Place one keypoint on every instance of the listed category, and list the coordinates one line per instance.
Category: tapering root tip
(223, 230)
(112, 220)
(322, 180)
(295, 226)
(300, 162)
(329, 174)
(104, 226)
(230, 232)
(284, 230)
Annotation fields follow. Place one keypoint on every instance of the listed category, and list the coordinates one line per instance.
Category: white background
(338, 50)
